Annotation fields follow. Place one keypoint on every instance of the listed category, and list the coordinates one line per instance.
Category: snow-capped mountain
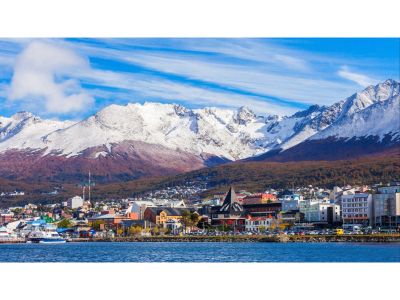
(156, 139)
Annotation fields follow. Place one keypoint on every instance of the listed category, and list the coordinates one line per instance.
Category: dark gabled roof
(231, 203)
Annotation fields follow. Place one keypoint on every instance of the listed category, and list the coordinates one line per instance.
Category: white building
(320, 211)
(75, 202)
(173, 226)
(254, 223)
(356, 209)
(139, 207)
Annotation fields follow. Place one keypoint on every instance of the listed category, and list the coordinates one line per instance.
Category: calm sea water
(200, 252)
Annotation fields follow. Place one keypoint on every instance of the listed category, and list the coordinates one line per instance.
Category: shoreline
(253, 239)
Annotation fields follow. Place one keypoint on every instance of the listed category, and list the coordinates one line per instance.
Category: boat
(45, 237)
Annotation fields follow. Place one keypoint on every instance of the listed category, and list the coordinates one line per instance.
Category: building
(6, 218)
(288, 205)
(288, 197)
(160, 215)
(258, 198)
(106, 221)
(386, 208)
(75, 202)
(263, 209)
(230, 214)
(138, 208)
(356, 209)
(258, 224)
(125, 225)
(389, 189)
(174, 226)
(291, 217)
(317, 211)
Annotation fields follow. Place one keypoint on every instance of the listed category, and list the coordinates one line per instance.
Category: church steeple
(231, 203)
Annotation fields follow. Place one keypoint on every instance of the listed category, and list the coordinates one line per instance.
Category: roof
(231, 203)
(170, 211)
(142, 223)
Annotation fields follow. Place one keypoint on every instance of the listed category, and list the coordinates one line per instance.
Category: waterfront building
(290, 217)
(356, 209)
(386, 207)
(320, 211)
(255, 224)
(160, 215)
(263, 209)
(231, 213)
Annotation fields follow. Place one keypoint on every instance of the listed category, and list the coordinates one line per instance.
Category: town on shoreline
(304, 214)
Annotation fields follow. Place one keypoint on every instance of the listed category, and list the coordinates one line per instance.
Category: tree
(186, 219)
(155, 230)
(120, 231)
(261, 228)
(135, 230)
(194, 218)
(64, 223)
(189, 219)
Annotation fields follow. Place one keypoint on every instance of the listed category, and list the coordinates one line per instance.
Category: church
(231, 214)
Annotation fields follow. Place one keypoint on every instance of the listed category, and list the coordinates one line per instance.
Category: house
(160, 215)
(258, 224)
(231, 213)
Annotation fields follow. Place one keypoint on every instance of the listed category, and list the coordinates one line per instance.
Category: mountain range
(154, 139)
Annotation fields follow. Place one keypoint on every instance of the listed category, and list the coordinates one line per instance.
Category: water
(200, 252)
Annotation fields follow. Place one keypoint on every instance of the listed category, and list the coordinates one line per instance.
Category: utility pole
(89, 186)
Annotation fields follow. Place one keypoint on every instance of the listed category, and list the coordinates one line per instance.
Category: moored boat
(45, 237)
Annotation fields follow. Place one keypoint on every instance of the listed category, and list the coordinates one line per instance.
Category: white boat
(45, 237)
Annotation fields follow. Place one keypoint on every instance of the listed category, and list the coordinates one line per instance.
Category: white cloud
(292, 62)
(360, 79)
(39, 74)
(153, 87)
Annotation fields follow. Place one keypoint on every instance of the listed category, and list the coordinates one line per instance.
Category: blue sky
(74, 78)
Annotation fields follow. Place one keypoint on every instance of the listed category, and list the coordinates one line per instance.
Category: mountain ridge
(149, 139)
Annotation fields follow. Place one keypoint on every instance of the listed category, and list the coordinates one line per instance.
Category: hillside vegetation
(252, 176)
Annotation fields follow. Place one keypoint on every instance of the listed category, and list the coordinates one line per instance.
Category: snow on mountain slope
(25, 131)
(379, 119)
(219, 132)
(206, 132)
